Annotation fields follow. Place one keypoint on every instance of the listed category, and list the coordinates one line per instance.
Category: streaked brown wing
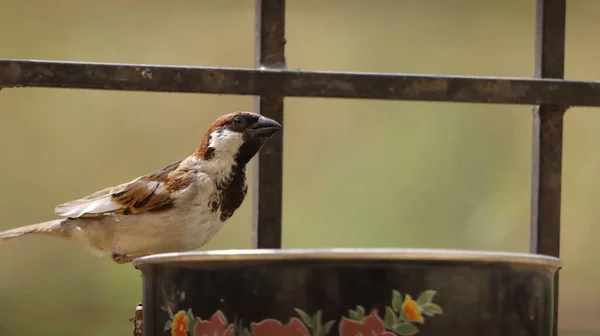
(152, 192)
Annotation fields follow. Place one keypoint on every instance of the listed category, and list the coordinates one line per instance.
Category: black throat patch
(232, 194)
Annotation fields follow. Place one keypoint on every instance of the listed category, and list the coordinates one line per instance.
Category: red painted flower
(271, 327)
(216, 326)
(371, 325)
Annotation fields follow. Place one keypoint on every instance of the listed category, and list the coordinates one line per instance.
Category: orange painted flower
(371, 325)
(179, 326)
(271, 327)
(216, 326)
(412, 310)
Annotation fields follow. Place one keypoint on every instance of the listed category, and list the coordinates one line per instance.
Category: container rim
(358, 254)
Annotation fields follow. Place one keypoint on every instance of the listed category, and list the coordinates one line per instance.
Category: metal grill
(271, 80)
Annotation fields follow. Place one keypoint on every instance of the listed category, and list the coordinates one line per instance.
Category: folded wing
(153, 192)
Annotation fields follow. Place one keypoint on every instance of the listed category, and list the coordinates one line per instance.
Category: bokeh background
(357, 173)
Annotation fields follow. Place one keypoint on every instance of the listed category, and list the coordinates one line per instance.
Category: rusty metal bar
(548, 136)
(139, 77)
(268, 172)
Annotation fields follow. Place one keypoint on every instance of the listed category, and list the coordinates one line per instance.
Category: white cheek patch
(226, 141)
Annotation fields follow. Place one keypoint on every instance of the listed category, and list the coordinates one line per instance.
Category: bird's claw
(120, 258)
(137, 320)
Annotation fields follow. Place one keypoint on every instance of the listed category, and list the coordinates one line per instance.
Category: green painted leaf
(316, 319)
(426, 297)
(355, 316)
(431, 309)
(396, 300)
(240, 330)
(403, 315)
(405, 329)
(168, 325)
(170, 312)
(190, 317)
(327, 328)
(389, 317)
(304, 317)
(361, 312)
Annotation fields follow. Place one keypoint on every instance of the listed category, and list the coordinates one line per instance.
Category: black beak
(265, 127)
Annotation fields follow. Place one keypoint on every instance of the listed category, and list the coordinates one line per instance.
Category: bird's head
(238, 134)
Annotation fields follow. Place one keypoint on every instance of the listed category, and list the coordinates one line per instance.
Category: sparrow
(179, 208)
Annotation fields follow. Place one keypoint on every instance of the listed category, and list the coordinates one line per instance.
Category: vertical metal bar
(547, 137)
(268, 177)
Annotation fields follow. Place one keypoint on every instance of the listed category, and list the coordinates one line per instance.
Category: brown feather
(150, 192)
(204, 152)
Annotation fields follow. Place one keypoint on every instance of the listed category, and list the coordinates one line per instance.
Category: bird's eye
(238, 121)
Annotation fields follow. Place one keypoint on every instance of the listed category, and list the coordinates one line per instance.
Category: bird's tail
(52, 227)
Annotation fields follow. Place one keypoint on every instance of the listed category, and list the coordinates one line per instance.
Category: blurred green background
(396, 174)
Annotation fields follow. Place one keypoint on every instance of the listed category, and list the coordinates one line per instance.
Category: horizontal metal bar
(274, 82)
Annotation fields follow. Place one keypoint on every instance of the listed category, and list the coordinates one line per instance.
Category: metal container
(347, 292)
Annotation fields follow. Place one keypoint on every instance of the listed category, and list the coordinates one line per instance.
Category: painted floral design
(412, 310)
(399, 319)
(179, 324)
(371, 325)
(314, 323)
(216, 326)
(402, 315)
(271, 327)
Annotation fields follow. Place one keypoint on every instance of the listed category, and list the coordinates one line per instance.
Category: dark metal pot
(347, 292)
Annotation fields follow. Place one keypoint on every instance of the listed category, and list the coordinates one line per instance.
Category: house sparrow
(178, 208)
